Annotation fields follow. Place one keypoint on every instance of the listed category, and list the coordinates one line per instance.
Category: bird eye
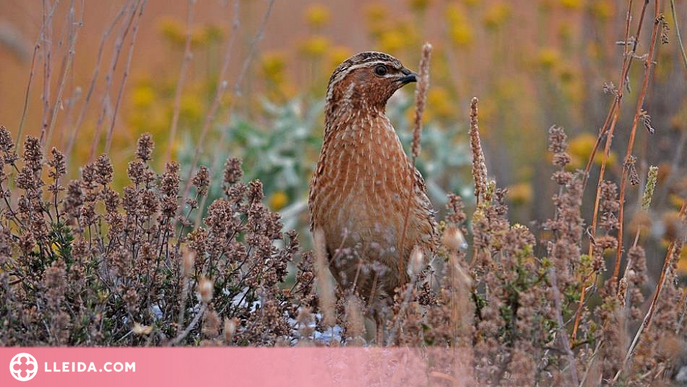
(381, 70)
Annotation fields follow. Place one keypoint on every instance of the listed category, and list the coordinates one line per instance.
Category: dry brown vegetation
(83, 264)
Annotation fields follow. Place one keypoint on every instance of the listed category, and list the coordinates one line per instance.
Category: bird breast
(362, 183)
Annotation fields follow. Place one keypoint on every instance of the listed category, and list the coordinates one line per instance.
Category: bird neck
(347, 115)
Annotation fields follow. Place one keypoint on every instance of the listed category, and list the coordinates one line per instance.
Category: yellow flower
(602, 9)
(392, 40)
(497, 15)
(675, 200)
(273, 65)
(419, 5)
(439, 102)
(317, 16)
(580, 148)
(520, 193)
(172, 30)
(190, 108)
(610, 161)
(454, 14)
(682, 262)
(548, 57)
(278, 200)
(315, 46)
(572, 4)
(461, 34)
(143, 96)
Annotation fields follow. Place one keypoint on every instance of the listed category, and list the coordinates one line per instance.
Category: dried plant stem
(26, 97)
(404, 305)
(47, 68)
(119, 43)
(214, 105)
(607, 130)
(245, 66)
(73, 34)
(421, 98)
(479, 167)
(614, 111)
(36, 47)
(125, 76)
(630, 145)
(646, 323)
(188, 55)
(562, 334)
(677, 33)
(190, 326)
(91, 88)
(420, 102)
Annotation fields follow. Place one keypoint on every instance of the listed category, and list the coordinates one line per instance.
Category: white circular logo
(23, 367)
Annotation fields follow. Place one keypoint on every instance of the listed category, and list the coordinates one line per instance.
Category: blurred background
(253, 82)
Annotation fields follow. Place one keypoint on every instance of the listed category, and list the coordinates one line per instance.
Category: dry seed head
(421, 97)
(454, 239)
(479, 167)
(144, 152)
(650, 186)
(622, 291)
(189, 258)
(229, 329)
(416, 261)
(205, 289)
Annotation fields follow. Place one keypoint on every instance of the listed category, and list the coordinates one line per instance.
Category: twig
(119, 42)
(182, 78)
(73, 34)
(47, 68)
(646, 323)
(420, 102)
(630, 144)
(404, 304)
(31, 74)
(614, 111)
(125, 76)
(190, 326)
(221, 88)
(238, 84)
(562, 334)
(607, 130)
(96, 71)
(677, 33)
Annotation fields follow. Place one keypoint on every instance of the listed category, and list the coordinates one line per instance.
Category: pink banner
(281, 367)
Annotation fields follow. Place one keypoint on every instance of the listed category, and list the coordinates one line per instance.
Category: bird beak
(408, 76)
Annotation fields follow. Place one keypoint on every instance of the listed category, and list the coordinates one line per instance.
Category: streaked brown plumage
(360, 189)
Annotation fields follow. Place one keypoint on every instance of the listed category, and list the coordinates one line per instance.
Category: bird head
(366, 81)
